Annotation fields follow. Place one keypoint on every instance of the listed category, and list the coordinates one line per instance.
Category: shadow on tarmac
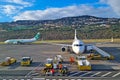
(14, 66)
(34, 64)
(114, 51)
(101, 67)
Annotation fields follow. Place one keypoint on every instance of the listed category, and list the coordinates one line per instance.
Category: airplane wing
(65, 45)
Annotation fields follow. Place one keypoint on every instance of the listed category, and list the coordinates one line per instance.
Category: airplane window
(78, 45)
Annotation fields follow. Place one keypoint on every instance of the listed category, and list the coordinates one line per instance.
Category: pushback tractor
(26, 61)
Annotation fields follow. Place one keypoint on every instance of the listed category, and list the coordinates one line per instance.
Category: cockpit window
(78, 45)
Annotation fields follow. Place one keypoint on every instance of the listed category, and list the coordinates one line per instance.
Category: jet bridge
(103, 53)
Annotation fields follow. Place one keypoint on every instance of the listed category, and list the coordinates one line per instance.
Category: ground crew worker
(72, 60)
(52, 71)
(60, 66)
(55, 66)
(55, 59)
(45, 70)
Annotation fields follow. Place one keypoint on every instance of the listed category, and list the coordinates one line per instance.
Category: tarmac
(40, 52)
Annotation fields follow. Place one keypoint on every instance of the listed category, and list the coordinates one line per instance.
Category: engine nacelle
(15, 42)
(63, 49)
(66, 48)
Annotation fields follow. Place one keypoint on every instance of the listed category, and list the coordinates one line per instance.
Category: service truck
(49, 63)
(26, 61)
(8, 61)
(83, 63)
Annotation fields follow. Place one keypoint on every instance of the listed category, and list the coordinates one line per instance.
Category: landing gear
(69, 50)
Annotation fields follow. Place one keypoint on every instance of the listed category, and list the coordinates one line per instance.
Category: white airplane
(23, 41)
(78, 46)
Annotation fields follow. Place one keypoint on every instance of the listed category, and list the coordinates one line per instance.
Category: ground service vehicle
(99, 57)
(26, 61)
(56, 72)
(64, 71)
(54, 68)
(83, 63)
(59, 58)
(94, 56)
(49, 63)
(8, 61)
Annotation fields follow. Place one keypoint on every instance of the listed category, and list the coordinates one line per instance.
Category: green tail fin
(37, 36)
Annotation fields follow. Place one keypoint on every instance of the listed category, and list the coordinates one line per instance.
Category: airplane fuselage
(22, 41)
(78, 46)
(16, 41)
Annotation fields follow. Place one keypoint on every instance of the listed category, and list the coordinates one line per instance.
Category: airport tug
(26, 61)
(8, 61)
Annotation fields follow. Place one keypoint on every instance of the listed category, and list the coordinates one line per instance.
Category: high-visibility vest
(72, 59)
(60, 65)
(52, 71)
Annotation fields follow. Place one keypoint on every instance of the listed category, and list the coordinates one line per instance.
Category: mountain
(88, 27)
(78, 21)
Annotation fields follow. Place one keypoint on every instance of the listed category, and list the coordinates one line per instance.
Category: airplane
(23, 41)
(78, 46)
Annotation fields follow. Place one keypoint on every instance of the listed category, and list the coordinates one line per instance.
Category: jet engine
(66, 48)
(15, 42)
(63, 49)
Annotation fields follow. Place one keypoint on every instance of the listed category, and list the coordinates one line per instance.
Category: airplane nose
(78, 51)
(6, 41)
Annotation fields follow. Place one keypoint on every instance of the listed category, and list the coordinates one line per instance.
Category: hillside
(88, 27)
(79, 21)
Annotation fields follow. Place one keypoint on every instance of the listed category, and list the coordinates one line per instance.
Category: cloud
(75, 10)
(19, 2)
(10, 9)
(103, 1)
(114, 4)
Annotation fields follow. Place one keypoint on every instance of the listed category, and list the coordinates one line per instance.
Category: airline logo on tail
(37, 36)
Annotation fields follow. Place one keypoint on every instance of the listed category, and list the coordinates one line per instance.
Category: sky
(13, 10)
